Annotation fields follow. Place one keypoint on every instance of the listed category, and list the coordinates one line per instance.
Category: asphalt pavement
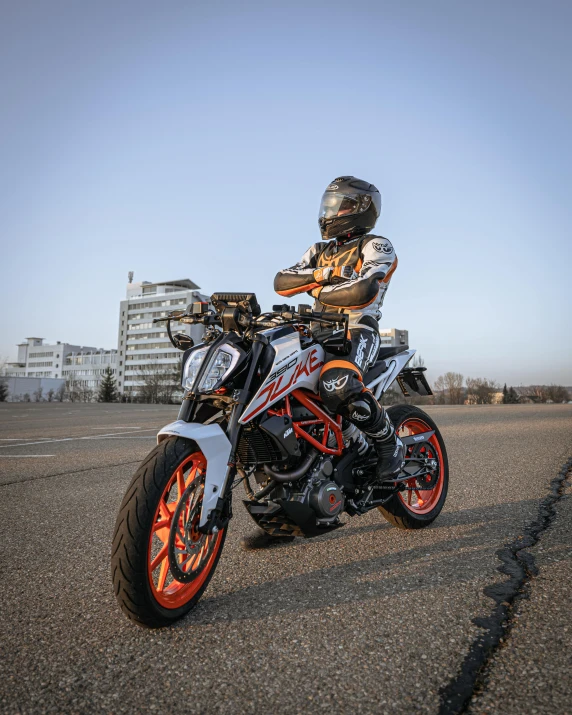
(368, 619)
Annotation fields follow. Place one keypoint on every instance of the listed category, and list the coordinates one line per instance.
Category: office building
(143, 346)
(50, 366)
(39, 359)
(393, 337)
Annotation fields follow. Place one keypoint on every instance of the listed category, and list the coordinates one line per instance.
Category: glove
(342, 274)
(322, 275)
(339, 274)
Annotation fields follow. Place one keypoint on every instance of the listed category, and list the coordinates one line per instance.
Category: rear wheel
(423, 497)
(161, 564)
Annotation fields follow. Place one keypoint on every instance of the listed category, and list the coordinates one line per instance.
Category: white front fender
(215, 446)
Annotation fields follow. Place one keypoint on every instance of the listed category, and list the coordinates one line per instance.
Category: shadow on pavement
(447, 562)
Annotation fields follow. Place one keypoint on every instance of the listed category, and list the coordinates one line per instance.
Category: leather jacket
(345, 276)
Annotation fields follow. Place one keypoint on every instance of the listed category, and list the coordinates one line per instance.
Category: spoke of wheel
(160, 556)
(163, 575)
(163, 524)
(418, 495)
(165, 511)
(180, 483)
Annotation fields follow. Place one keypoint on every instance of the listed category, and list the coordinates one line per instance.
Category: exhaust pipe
(293, 474)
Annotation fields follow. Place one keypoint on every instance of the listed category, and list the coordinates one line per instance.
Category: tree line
(162, 384)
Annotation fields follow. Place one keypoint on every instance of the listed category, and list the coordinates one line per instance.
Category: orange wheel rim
(167, 591)
(422, 501)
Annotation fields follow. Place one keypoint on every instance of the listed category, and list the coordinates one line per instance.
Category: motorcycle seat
(380, 366)
(385, 353)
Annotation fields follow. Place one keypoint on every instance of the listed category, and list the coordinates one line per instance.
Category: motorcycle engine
(321, 494)
(326, 499)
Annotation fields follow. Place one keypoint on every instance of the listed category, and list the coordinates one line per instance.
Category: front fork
(222, 513)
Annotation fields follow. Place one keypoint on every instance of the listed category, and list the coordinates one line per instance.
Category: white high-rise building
(393, 337)
(143, 345)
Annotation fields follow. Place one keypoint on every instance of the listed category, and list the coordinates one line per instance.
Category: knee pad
(337, 386)
(364, 411)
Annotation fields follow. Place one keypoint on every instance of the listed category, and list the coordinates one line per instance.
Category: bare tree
(61, 393)
(439, 390)
(77, 390)
(557, 393)
(481, 391)
(38, 394)
(50, 395)
(71, 389)
(454, 386)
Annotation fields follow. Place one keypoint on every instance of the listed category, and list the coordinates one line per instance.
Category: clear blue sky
(192, 139)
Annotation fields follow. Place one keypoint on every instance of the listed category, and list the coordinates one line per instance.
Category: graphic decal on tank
(278, 383)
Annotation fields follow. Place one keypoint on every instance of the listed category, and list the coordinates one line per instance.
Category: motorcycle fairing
(214, 444)
(293, 368)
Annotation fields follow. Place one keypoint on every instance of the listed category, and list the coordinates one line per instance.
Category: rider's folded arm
(362, 289)
(299, 278)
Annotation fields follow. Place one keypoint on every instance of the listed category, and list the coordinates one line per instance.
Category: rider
(350, 274)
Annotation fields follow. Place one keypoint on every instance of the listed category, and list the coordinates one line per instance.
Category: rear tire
(143, 583)
(403, 515)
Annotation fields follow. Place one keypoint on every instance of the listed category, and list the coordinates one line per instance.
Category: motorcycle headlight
(192, 367)
(221, 364)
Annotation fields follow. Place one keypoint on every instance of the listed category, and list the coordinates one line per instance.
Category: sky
(194, 140)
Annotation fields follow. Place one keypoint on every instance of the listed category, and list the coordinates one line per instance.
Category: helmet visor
(337, 204)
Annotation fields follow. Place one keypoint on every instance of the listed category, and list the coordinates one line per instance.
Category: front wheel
(418, 505)
(161, 564)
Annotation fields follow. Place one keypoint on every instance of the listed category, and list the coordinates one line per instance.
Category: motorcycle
(251, 415)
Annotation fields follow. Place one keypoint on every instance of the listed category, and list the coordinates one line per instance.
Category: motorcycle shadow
(458, 548)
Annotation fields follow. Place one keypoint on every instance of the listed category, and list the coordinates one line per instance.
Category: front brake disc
(189, 550)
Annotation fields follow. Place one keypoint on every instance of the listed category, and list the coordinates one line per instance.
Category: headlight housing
(220, 364)
(192, 367)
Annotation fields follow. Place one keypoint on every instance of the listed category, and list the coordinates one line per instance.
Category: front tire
(144, 584)
(417, 508)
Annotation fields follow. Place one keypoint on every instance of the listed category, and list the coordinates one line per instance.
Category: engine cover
(326, 499)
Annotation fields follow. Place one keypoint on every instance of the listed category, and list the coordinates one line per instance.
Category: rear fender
(214, 444)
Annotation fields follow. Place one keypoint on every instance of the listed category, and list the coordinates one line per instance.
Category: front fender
(214, 444)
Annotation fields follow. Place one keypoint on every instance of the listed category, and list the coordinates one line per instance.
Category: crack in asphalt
(63, 474)
(520, 566)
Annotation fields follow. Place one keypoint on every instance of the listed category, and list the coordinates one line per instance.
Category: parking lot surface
(367, 619)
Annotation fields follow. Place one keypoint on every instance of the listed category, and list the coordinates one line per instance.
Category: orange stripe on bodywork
(300, 289)
(346, 364)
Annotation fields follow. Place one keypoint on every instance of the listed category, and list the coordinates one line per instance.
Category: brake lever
(172, 316)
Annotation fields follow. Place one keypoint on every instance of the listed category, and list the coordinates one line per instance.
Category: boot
(389, 448)
(391, 458)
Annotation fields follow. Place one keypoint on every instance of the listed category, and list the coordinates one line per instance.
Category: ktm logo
(335, 384)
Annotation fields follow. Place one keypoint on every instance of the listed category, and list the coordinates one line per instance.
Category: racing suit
(352, 277)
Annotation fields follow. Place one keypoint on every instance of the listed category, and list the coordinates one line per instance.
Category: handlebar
(263, 321)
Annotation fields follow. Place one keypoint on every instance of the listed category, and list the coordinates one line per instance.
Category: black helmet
(350, 207)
